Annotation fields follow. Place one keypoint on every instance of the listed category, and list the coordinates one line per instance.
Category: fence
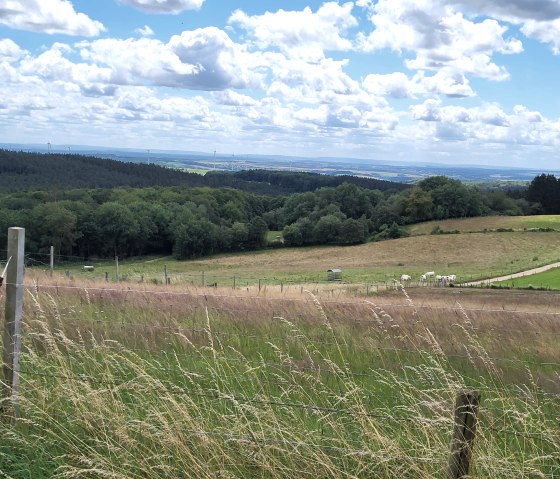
(284, 347)
(115, 270)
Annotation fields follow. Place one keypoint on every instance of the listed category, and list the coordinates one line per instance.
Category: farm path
(514, 275)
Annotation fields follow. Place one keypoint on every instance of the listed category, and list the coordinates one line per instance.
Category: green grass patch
(548, 280)
(488, 223)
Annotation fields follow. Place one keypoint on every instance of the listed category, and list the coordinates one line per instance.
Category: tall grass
(132, 385)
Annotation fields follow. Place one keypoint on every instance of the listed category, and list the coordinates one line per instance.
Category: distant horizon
(453, 82)
(141, 154)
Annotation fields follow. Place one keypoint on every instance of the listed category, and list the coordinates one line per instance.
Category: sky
(448, 81)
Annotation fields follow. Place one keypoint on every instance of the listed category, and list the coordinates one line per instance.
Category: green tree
(545, 190)
(418, 205)
(327, 229)
(117, 227)
(55, 226)
(256, 233)
(352, 231)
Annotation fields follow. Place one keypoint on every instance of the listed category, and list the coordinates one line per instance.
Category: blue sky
(462, 81)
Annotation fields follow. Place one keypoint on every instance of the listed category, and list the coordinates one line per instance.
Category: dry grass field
(469, 256)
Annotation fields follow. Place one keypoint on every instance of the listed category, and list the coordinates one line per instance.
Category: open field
(548, 279)
(175, 381)
(472, 256)
(489, 223)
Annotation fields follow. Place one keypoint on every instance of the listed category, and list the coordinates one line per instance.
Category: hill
(28, 171)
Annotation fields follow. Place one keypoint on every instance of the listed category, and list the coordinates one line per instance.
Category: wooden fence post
(117, 267)
(12, 322)
(464, 430)
(165, 274)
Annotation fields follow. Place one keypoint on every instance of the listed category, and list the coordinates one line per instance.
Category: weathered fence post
(12, 322)
(234, 282)
(464, 430)
(117, 267)
(165, 273)
(259, 285)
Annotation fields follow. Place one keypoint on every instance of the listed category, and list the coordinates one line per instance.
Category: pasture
(489, 223)
(153, 381)
(547, 280)
(472, 256)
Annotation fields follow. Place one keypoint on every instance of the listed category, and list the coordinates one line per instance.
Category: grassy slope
(465, 225)
(476, 255)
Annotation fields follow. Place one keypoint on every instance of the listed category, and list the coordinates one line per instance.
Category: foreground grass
(126, 384)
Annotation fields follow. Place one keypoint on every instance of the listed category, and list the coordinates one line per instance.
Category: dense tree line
(297, 182)
(194, 222)
(188, 222)
(349, 214)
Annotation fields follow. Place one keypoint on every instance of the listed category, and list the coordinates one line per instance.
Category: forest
(146, 209)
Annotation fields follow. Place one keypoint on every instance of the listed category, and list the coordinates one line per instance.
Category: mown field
(489, 223)
(156, 381)
(469, 256)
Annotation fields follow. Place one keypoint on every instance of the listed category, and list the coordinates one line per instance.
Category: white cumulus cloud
(440, 36)
(301, 34)
(48, 16)
(144, 31)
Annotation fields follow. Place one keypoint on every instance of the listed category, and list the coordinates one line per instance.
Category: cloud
(538, 19)
(145, 31)
(48, 16)
(399, 86)
(164, 6)
(300, 34)
(202, 59)
(440, 36)
(9, 50)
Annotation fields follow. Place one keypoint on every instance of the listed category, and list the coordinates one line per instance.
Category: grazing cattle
(430, 273)
(423, 277)
(405, 277)
(452, 278)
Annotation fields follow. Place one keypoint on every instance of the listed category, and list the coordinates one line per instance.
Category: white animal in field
(452, 278)
(423, 278)
(405, 277)
(439, 277)
(429, 273)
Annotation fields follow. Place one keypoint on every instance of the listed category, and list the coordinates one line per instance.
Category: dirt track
(514, 275)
